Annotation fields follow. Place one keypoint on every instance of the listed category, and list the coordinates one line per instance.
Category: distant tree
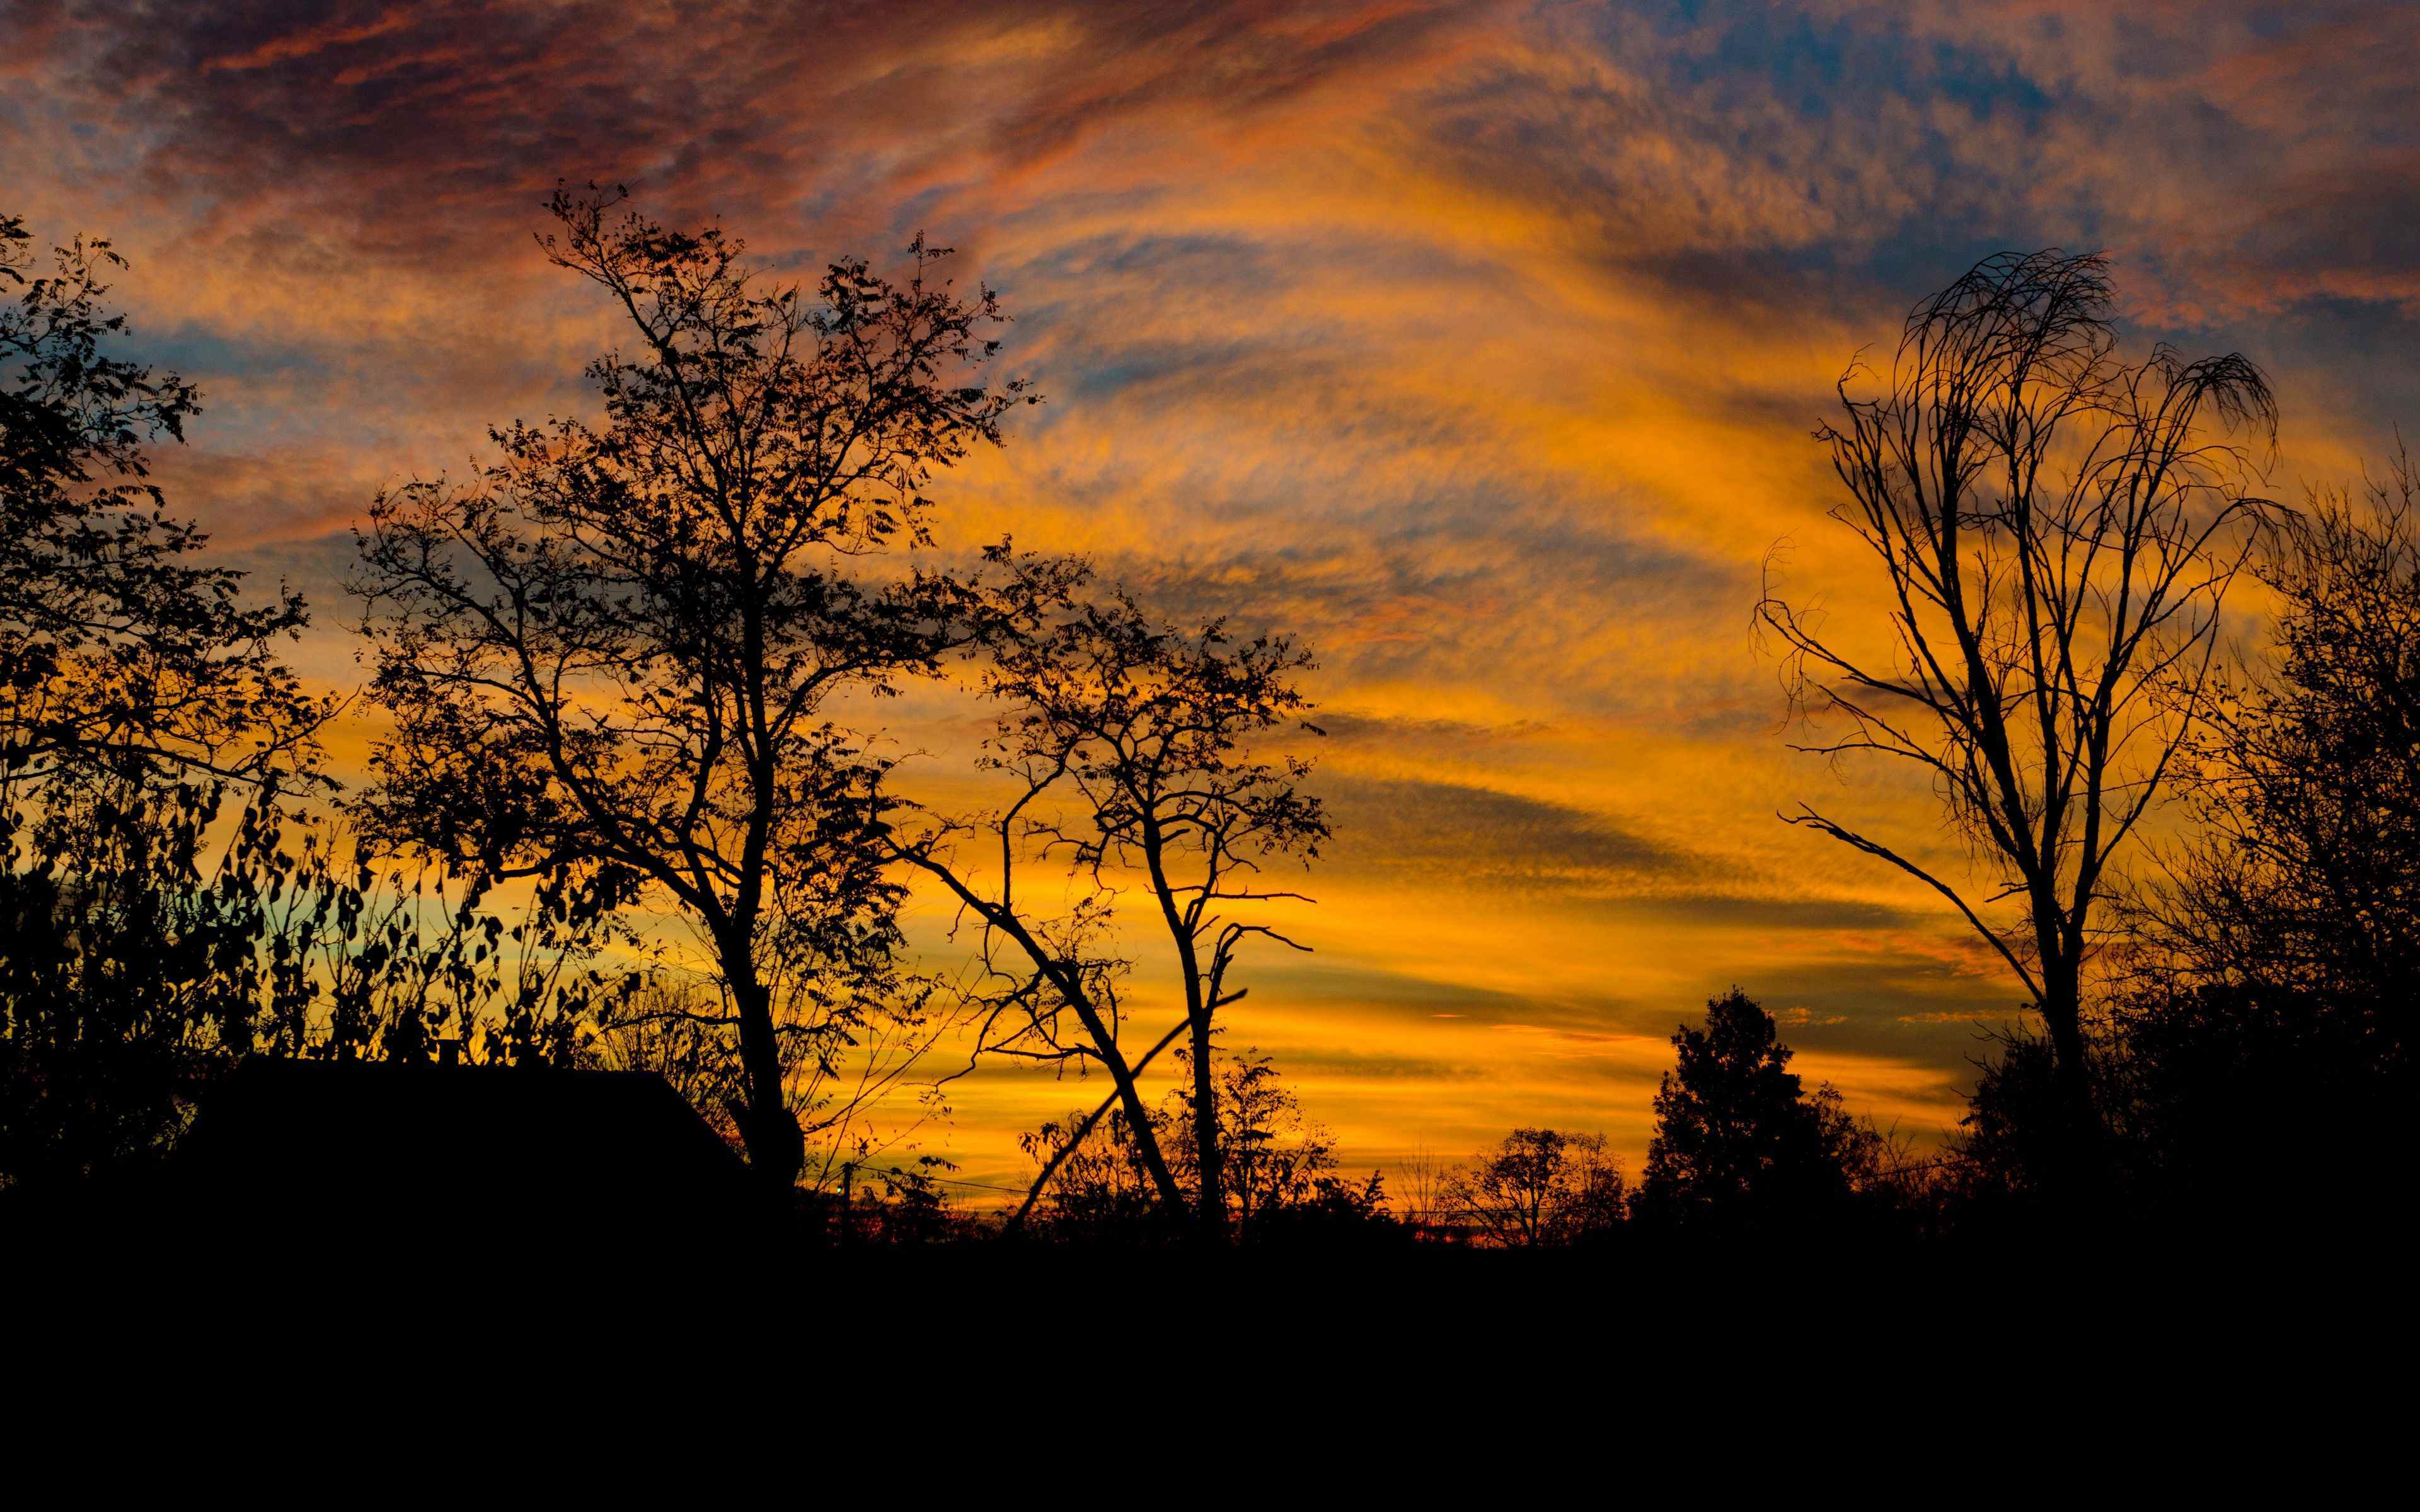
(1424, 1199)
(1541, 1187)
(2055, 530)
(1739, 1143)
(901, 1203)
(611, 661)
(1133, 742)
(121, 650)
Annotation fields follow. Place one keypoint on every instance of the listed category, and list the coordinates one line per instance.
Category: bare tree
(1424, 1195)
(1037, 966)
(613, 657)
(1132, 741)
(2055, 530)
(1152, 727)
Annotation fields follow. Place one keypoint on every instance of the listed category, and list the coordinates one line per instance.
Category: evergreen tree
(1739, 1142)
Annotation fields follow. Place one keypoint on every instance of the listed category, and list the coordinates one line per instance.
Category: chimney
(449, 1052)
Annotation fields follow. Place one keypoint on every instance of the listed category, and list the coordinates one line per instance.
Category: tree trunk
(776, 1150)
(2062, 1010)
(1210, 1200)
(1210, 1203)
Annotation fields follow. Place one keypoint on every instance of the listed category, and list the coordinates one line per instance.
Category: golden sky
(1478, 344)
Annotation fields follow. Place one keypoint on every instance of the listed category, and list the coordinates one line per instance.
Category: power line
(863, 1172)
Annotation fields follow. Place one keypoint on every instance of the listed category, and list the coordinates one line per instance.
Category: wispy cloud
(1477, 343)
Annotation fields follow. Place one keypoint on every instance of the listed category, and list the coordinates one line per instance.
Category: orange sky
(1477, 344)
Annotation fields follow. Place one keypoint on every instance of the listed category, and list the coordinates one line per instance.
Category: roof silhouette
(479, 1146)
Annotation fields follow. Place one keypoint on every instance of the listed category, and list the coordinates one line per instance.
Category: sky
(1477, 344)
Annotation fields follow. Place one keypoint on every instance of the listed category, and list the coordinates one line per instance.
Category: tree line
(625, 672)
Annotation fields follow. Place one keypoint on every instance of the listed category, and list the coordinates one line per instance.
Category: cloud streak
(1477, 343)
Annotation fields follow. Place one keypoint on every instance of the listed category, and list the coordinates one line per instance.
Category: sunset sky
(1477, 344)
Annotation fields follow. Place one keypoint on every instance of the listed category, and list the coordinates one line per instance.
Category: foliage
(1541, 1188)
(154, 940)
(1739, 1144)
(1098, 1183)
(2270, 966)
(117, 648)
(610, 660)
(137, 695)
(1274, 1164)
(2304, 881)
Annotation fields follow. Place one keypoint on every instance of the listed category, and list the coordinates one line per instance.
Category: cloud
(1466, 837)
(1477, 344)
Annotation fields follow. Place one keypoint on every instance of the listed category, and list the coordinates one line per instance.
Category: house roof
(453, 1136)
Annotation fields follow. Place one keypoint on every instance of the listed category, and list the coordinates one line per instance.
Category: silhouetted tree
(1278, 1167)
(1133, 742)
(138, 694)
(850, 1065)
(126, 972)
(1035, 967)
(1541, 1187)
(1424, 1198)
(1739, 1144)
(611, 659)
(2304, 877)
(2274, 962)
(898, 1204)
(1153, 727)
(2055, 530)
(1095, 1181)
(148, 944)
(1272, 1160)
(119, 650)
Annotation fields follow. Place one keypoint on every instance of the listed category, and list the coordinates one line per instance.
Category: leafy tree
(2304, 881)
(2055, 530)
(2270, 967)
(127, 974)
(119, 649)
(895, 1204)
(611, 661)
(1272, 1160)
(151, 944)
(1739, 1143)
(138, 694)
(1541, 1187)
